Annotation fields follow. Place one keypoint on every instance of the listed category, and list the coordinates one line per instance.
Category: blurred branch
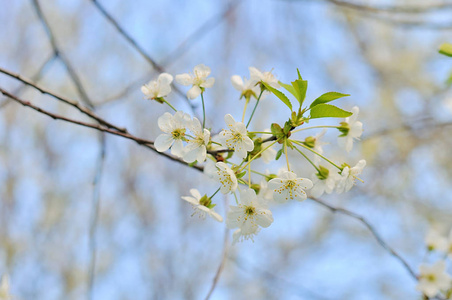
(407, 9)
(145, 143)
(223, 257)
(406, 127)
(137, 47)
(72, 103)
(77, 82)
(201, 31)
(35, 78)
(95, 214)
(371, 229)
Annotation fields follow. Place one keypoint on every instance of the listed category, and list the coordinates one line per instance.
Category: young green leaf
(327, 97)
(279, 94)
(446, 49)
(300, 87)
(328, 110)
(299, 75)
(289, 88)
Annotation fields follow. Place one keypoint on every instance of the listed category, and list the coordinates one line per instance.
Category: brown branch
(35, 78)
(75, 78)
(68, 101)
(372, 231)
(145, 143)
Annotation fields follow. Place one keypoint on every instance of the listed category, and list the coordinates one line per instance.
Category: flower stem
(255, 156)
(215, 193)
(169, 104)
(249, 175)
(260, 132)
(307, 158)
(254, 109)
(287, 156)
(203, 112)
(259, 173)
(316, 153)
(244, 109)
(312, 127)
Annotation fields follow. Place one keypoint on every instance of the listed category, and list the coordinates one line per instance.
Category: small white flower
(266, 77)
(236, 137)
(247, 87)
(248, 215)
(159, 88)
(196, 148)
(435, 241)
(348, 176)
(174, 128)
(352, 130)
(325, 182)
(433, 279)
(202, 205)
(226, 177)
(4, 288)
(198, 80)
(288, 186)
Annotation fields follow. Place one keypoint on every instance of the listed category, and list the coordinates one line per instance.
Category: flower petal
(184, 79)
(163, 142)
(193, 92)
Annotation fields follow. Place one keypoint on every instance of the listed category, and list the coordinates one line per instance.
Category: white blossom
(325, 182)
(266, 77)
(435, 241)
(247, 87)
(4, 288)
(348, 176)
(226, 177)
(433, 279)
(236, 137)
(248, 215)
(196, 148)
(174, 132)
(198, 80)
(159, 88)
(288, 186)
(202, 205)
(316, 143)
(353, 130)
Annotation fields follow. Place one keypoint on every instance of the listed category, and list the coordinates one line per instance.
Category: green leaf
(279, 94)
(300, 87)
(446, 49)
(289, 88)
(327, 97)
(299, 76)
(328, 110)
(279, 153)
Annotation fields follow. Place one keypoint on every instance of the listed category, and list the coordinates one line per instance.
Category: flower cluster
(233, 153)
(433, 278)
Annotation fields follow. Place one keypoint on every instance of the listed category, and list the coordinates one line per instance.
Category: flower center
(250, 210)
(430, 277)
(178, 133)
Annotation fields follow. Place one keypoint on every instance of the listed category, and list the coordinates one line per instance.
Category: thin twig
(137, 47)
(372, 231)
(95, 213)
(223, 257)
(75, 78)
(35, 78)
(407, 9)
(71, 102)
(145, 143)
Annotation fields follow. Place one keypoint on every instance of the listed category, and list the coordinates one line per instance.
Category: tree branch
(372, 231)
(145, 143)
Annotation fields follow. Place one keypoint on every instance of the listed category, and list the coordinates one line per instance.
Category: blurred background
(57, 210)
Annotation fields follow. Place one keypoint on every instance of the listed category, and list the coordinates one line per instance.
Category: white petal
(264, 218)
(216, 216)
(184, 79)
(178, 148)
(163, 142)
(165, 79)
(195, 193)
(237, 82)
(229, 120)
(208, 83)
(193, 92)
(202, 70)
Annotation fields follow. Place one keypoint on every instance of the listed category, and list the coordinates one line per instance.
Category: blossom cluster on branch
(229, 155)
